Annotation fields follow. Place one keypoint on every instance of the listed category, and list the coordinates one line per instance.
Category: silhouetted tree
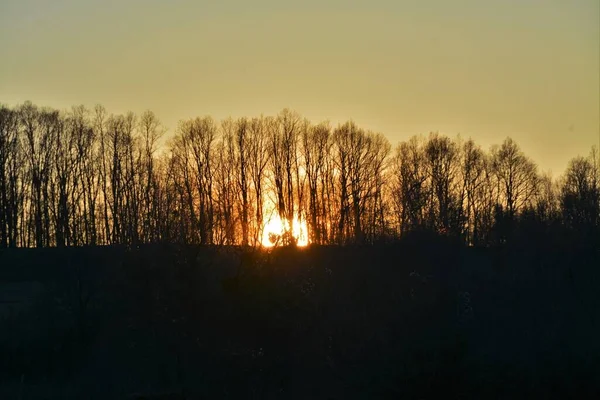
(11, 177)
(258, 159)
(442, 158)
(226, 183)
(580, 197)
(409, 186)
(516, 179)
(473, 177)
(283, 139)
(40, 128)
(242, 156)
(516, 176)
(315, 146)
(151, 131)
(80, 177)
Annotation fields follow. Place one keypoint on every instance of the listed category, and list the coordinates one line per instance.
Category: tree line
(87, 177)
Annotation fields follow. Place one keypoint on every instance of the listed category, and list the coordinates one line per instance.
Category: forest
(86, 177)
(138, 264)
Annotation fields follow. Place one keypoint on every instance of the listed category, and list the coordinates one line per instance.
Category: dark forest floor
(410, 320)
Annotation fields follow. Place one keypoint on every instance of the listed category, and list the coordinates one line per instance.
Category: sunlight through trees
(86, 177)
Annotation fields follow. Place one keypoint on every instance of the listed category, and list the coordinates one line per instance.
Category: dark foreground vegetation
(424, 318)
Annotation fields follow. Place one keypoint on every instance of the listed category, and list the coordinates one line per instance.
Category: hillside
(410, 320)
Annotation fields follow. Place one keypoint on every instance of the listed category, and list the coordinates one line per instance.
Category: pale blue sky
(486, 69)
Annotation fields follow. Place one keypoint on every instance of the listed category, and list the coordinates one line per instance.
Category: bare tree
(86, 177)
(441, 156)
(75, 177)
(516, 177)
(283, 138)
(40, 128)
(473, 177)
(226, 183)
(151, 131)
(198, 136)
(181, 192)
(63, 181)
(315, 145)
(342, 141)
(242, 159)
(10, 174)
(375, 164)
(100, 126)
(580, 197)
(409, 185)
(258, 159)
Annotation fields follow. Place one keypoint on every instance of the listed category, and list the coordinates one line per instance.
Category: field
(418, 319)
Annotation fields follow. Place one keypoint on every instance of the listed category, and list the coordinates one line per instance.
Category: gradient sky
(529, 69)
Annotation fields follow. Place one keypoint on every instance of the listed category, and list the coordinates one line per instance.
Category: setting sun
(275, 228)
(325, 199)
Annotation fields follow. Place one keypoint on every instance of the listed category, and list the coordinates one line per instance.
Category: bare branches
(86, 177)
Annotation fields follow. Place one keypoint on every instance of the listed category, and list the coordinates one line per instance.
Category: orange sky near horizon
(528, 69)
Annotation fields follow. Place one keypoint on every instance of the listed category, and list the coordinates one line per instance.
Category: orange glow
(275, 228)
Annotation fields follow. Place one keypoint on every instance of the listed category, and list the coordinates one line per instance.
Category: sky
(486, 69)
